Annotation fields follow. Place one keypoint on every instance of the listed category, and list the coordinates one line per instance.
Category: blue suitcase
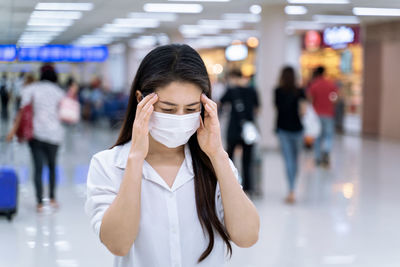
(8, 192)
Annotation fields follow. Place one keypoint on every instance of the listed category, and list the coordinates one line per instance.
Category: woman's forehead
(181, 93)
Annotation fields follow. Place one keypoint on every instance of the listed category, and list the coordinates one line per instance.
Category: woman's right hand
(140, 129)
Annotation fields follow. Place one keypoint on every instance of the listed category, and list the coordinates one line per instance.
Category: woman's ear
(139, 96)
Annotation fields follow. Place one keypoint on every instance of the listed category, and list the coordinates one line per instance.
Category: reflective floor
(346, 216)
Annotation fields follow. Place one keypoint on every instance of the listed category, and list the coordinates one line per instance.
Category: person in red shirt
(323, 94)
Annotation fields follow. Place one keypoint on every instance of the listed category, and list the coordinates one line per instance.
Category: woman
(289, 104)
(48, 131)
(167, 194)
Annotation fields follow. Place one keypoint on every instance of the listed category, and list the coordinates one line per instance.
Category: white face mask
(173, 130)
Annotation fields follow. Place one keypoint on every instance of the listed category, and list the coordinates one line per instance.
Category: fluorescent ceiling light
(245, 17)
(36, 37)
(369, 11)
(39, 34)
(199, 0)
(64, 6)
(209, 42)
(195, 30)
(94, 40)
(255, 9)
(24, 43)
(111, 34)
(295, 10)
(50, 22)
(143, 41)
(173, 8)
(112, 30)
(56, 14)
(334, 2)
(137, 23)
(45, 29)
(109, 28)
(220, 24)
(157, 16)
(332, 19)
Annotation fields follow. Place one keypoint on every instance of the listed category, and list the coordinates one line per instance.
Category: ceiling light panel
(65, 6)
(328, 2)
(157, 16)
(369, 11)
(295, 10)
(173, 8)
(56, 14)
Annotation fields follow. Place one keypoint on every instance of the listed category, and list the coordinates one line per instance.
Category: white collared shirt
(170, 233)
(45, 97)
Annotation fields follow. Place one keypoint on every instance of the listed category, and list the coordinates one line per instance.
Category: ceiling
(14, 15)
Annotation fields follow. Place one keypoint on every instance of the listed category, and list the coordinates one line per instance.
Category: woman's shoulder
(107, 155)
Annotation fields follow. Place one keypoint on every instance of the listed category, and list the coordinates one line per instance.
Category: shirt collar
(184, 175)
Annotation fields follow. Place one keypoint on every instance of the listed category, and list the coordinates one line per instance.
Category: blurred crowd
(306, 117)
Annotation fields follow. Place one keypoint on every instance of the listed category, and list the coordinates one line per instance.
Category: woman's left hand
(209, 133)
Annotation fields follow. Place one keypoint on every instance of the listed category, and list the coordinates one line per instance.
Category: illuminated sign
(339, 37)
(312, 40)
(236, 52)
(8, 52)
(66, 53)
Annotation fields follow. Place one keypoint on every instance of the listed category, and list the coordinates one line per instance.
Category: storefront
(339, 50)
(239, 55)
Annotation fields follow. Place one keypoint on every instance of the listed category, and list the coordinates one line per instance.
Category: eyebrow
(172, 104)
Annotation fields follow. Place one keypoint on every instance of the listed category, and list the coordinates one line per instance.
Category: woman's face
(178, 98)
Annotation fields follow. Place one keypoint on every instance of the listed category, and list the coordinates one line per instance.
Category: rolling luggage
(8, 192)
(8, 181)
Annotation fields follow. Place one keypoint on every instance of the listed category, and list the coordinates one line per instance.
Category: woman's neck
(158, 149)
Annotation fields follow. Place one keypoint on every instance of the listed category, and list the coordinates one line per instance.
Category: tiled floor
(347, 216)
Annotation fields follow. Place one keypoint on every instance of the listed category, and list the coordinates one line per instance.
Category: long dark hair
(163, 65)
(287, 80)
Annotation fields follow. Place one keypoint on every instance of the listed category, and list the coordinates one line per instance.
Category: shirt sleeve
(101, 192)
(218, 198)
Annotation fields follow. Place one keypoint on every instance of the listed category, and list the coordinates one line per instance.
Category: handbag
(311, 122)
(69, 110)
(25, 127)
(249, 133)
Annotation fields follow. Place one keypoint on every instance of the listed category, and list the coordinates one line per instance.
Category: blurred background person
(323, 94)
(45, 96)
(290, 105)
(27, 80)
(18, 84)
(244, 103)
(5, 96)
(92, 98)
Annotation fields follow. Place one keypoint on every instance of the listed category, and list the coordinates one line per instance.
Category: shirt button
(173, 230)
